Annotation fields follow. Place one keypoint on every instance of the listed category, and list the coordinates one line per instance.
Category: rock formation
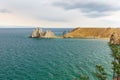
(114, 38)
(38, 33)
(49, 34)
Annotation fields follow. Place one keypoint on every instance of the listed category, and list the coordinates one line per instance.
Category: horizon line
(17, 26)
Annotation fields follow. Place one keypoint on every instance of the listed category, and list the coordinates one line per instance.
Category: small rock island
(38, 33)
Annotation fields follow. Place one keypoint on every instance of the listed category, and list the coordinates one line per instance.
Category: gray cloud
(96, 15)
(88, 8)
(4, 11)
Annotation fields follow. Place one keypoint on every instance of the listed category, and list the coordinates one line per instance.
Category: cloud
(4, 11)
(54, 19)
(91, 9)
(87, 7)
(60, 13)
(96, 14)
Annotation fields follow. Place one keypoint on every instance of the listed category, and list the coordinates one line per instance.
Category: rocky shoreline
(83, 33)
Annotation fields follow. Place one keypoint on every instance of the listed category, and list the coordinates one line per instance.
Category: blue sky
(60, 13)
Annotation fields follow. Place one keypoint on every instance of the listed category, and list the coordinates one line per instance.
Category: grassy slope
(92, 32)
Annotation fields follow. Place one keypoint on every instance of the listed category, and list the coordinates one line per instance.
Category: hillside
(91, 32)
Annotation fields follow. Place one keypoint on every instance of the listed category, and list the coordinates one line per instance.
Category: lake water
(23, 58)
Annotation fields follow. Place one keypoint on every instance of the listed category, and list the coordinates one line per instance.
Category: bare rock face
(115, 38)
(38, 33)
(49, 34)
(112, 38)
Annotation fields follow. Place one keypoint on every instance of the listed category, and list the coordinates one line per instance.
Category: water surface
(23, 58)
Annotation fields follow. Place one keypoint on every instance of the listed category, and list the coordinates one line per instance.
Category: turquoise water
(23, 58)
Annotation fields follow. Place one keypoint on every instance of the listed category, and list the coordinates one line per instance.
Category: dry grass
(92, 32)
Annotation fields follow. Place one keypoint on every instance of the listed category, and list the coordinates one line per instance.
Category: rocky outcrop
(38, 33)
(49, 34)
(114, 38)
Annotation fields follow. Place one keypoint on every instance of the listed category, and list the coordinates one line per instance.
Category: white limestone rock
(38, 33)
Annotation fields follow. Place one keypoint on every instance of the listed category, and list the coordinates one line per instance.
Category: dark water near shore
(23, 58)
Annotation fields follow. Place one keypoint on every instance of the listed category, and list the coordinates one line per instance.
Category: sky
(60, 13)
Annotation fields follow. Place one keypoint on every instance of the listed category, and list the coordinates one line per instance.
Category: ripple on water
(23, 58)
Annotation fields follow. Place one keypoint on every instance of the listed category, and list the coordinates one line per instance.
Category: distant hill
(92, 32)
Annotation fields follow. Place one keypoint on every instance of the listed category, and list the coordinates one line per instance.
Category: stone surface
(38, 33)
(115, 38)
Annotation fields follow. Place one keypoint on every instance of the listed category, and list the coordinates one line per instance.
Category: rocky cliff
(114, 38)
(38, 33)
